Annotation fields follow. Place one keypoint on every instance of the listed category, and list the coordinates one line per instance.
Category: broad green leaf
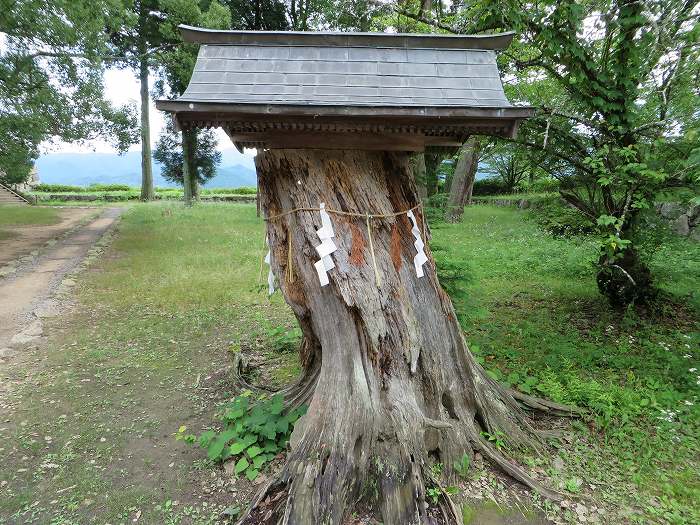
(283, 425)
(241, 465)
(251, 474)
(277, 404)
(260, 460)
(254, 451)
(238, 447)
(269, 430)
(249, 439)
(217, 446)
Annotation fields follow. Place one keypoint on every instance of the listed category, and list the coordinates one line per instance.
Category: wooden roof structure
(346, 90)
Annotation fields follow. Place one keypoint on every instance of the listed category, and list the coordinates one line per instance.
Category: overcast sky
(122, 87)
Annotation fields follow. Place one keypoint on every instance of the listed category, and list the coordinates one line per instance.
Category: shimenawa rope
(367, 216)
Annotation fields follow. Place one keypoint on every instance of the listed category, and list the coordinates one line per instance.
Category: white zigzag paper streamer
(420, 259)
(326, 248)
(270, 275)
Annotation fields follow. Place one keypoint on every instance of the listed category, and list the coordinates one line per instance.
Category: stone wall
(684, 219)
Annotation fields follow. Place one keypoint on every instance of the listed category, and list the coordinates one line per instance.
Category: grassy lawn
(532, 314)
(86, 436)
(24, 216)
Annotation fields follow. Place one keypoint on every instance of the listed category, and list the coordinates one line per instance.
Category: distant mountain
(83, 169)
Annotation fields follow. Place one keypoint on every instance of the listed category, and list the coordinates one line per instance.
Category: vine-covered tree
(51, 86)
(612, 81)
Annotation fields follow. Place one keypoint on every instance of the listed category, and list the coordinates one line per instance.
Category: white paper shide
(326, 248)
(270, 275)
(420, 259)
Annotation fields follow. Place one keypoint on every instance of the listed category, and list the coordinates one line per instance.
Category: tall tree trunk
(463, 179)
(147, 193)
(471, 176)
(418, 165)
(432, 161)
(194, 188)
(397, 388)
(187, 175)
(191, 162)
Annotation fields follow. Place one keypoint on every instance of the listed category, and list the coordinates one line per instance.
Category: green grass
(174, 294)
(27, 216)
(13, 216)
(533, 317)
(179, 289)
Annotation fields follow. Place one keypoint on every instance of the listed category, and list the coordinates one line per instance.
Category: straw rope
(347, 213)
(367, 216)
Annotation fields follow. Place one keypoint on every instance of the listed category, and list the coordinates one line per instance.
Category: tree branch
(419, 17)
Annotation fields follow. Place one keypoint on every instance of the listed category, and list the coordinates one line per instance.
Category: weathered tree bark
(397, 388)
(147, 192)
(463, 179)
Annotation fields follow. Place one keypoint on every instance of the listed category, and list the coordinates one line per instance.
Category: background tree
(200, 163)
(509, 164)
(51, 68)
(463, 179)
(135, 35)
(197, 150)
(265, 15)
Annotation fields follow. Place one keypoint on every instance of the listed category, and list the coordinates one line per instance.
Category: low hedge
(65, 188)
(121, 196)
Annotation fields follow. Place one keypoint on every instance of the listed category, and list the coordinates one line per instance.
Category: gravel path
(26, 296)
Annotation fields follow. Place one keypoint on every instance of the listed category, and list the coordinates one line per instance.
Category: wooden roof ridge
(198, 35)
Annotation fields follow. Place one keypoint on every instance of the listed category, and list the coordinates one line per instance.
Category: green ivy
(253, 433)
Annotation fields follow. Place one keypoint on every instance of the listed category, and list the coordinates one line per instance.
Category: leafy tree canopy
(169, 153)
(51, 70)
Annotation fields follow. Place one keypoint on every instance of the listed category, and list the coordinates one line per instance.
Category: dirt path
(26, 238)
(26, 296)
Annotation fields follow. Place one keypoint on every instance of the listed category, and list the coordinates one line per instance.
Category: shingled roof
(418, 89)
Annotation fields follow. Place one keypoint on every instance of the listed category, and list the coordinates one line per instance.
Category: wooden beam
(359, 141)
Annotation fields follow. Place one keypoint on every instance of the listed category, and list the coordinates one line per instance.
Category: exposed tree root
(545, 406)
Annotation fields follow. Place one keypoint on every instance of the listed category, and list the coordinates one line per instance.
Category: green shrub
(243, 190)
(110, 187)
(543, 185)
(434, 207)
(489, 186)
(284, 339)
(556, 217)
(253, 433)
(58, 188)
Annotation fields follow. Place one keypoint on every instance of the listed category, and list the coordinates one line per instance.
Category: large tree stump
(397, 387)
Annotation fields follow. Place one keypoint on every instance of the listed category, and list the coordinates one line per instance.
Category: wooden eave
(341, 127)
